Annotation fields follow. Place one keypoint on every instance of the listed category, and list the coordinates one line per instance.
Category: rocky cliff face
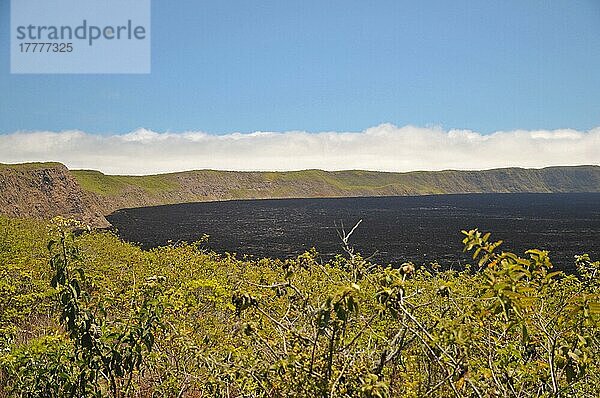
(46, 190)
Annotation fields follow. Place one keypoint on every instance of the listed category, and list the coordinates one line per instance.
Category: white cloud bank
(385, 147)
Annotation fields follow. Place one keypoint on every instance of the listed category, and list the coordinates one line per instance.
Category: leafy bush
(97, 355)
(215, 325)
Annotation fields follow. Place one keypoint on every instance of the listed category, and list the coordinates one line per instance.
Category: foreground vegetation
(93, 316)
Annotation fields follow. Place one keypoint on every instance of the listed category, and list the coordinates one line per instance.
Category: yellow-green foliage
(23, 278)
(508, 327)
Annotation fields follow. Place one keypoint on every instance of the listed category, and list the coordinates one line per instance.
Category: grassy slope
(108, 185)
(349, 183)
(29, 166)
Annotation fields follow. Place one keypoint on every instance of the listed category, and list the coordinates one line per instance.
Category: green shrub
(214, 325)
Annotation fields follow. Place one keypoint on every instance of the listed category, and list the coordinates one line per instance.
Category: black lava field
(393, 229)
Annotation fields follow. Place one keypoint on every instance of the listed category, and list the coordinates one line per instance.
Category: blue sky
(228, 66)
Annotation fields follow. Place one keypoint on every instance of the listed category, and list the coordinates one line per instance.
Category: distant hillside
(43, 190)
(115, 192)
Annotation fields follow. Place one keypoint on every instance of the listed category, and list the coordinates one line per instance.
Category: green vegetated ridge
(114, 192)
(112, 185)
(92, 316)
(30, 165)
